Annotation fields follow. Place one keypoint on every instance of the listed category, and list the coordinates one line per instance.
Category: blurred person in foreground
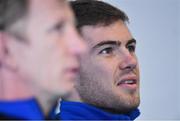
(39, 46)
(108, 85)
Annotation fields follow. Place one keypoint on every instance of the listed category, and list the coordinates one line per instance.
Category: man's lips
(72, 71)
(129, 81)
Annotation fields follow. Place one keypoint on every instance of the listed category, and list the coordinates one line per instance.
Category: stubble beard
(94, 93)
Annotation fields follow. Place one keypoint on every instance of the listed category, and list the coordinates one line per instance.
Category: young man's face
(47, 57)
(109, 73)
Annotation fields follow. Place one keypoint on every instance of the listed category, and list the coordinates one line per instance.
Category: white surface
(156, 25)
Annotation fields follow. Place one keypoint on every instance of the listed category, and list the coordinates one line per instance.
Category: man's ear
(6, 60)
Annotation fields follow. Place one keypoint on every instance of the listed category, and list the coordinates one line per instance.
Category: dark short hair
(11, 11)
(93, 12)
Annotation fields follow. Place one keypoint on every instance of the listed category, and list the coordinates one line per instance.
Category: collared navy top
(22, 109)
(82, 111)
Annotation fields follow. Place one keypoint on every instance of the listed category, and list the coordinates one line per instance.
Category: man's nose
(128, 60)
(76, 43)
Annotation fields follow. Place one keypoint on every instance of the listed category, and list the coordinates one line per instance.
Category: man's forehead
(40, 5)
(115, 32)
(43, 11)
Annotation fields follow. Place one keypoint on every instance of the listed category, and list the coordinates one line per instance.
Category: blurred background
(156, 26)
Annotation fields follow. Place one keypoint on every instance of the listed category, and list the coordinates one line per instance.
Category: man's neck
(73, 96)
(78, 111)
(12, 88)
(47, 101)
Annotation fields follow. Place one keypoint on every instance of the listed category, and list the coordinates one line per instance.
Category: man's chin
(127, 107)
(132, 106)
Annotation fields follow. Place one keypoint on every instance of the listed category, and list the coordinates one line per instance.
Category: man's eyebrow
(56, 25)
(107, 42)
(131, 41)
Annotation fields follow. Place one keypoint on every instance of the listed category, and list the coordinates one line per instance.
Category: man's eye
(131, 48)
(108, 50)
(59, 27)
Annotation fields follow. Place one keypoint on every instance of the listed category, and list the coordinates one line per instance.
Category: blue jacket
(82, 111)
(22, 109)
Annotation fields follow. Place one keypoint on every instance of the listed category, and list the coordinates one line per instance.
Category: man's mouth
(72, 72)
(128, 83)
